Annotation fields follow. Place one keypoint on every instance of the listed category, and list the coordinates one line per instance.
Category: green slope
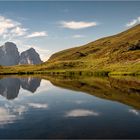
(103, 47)
(120, 51)
(117, 54)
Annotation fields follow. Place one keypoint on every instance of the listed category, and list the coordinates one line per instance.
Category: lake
(69, 107)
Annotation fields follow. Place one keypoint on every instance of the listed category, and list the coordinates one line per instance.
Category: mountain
(30, 56)
(117, 52)
(9, 54)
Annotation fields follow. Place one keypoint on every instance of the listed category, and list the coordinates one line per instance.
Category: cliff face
(30, 56)
(9, 55)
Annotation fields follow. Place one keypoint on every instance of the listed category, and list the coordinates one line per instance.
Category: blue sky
(53, 26)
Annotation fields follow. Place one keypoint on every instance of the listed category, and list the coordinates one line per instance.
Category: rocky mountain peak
(9, 55)
(30, 56)
(9, 44)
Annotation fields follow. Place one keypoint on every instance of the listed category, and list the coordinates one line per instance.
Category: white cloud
(37, 105)
(78, 36)
(138, 19)
(135, 112)
(37, 34)
(10, 28)
(19, 31)
(6, 24)
(133, 22)
(77, 24)
(81, 113)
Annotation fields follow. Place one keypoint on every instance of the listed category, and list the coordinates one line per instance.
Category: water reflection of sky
(49, 107)
(11, 110)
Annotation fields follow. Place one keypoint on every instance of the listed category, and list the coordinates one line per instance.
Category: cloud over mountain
(37, 34)
(77, 24)
(10, 28)
(133, 22)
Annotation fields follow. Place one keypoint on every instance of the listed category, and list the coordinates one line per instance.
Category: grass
(85, 69)
(110, 55)
(104, 57)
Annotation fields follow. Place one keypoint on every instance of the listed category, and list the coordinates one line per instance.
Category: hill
(117, 54)
(119, 51)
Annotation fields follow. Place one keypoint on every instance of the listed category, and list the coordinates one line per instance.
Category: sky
(51, 26)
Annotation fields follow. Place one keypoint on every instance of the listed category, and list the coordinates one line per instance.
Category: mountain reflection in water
(125, 90)
(69, 107)
(9, 87)
(122, 89)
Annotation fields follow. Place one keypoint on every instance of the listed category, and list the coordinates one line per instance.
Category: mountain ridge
(107, 53)
(30, 56)
(9, 55)
(132, 32)
(114, 55)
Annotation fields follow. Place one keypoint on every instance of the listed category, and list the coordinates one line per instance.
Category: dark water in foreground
(69, 107)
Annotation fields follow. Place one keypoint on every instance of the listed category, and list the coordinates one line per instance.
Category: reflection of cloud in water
(81, 113)
(11, 112)
(20, 109)
(6, 116)
(79, 102)
(135, 112)
(45, 86)
(37, 105)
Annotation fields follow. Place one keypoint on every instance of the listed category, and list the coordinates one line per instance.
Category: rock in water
(30, 56)
(9, 54)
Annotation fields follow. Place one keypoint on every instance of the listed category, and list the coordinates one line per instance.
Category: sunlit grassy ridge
(107, 47)
(117, 54)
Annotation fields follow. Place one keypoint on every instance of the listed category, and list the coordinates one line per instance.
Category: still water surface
(69, 108)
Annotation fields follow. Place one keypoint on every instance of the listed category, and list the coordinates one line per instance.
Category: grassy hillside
(117, 54)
